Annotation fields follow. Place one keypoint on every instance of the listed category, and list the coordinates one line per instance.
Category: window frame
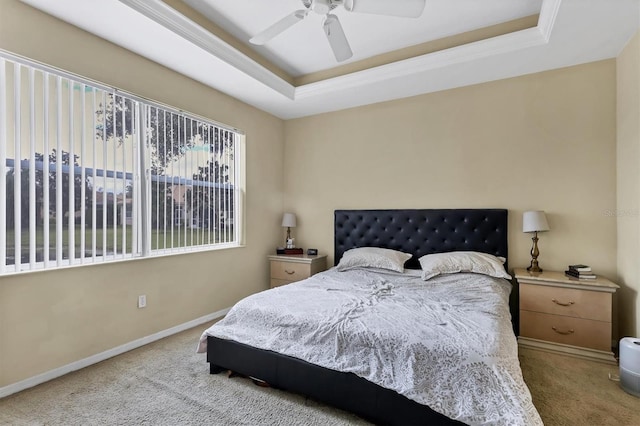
(142, 216)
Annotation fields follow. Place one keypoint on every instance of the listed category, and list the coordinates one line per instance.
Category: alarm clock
(312, 252)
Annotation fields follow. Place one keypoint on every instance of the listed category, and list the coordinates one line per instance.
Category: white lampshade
(534, 221)
(289, 220)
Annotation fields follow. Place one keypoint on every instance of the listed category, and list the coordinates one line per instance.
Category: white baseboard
(94, 359)
(576, 351)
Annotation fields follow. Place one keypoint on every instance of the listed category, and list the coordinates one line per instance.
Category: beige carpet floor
(167, 383)
(569, 391)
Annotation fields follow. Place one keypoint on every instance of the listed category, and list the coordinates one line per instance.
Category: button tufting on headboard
(415, 231)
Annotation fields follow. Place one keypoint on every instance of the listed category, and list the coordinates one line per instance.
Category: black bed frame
(418, 232)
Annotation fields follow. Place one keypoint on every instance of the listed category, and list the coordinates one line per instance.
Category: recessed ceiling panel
(303, 48)
(569, 32)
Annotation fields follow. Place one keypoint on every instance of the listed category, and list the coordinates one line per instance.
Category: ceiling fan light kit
(322, 7)
(331, 25)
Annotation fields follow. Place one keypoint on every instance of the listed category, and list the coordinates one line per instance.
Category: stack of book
(582, 272)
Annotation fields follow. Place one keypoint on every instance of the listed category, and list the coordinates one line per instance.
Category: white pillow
(462, 261)
(373, 257)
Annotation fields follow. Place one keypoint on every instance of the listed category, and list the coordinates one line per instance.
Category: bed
(418, 232)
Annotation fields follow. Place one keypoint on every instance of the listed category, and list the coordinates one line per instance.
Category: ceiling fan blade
(337, 39)
(402, 8)
(279, 27)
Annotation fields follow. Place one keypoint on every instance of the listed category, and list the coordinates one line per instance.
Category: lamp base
(288, 243)
(534, 255)
(534, 268)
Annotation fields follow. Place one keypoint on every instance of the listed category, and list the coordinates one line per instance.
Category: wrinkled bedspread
(446, 343)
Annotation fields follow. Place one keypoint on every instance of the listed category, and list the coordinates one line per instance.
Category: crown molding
(548, 15)
(174, 21)
(460, 54)
(440, 59)
(210, 57)
(169, 18)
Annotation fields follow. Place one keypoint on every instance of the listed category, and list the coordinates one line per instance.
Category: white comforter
(446, 343)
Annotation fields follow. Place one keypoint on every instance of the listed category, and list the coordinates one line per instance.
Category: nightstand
(566, 315)
(286, 269)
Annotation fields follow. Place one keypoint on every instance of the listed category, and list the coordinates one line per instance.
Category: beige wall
(49, 319)
(543, 141)
(628, 210)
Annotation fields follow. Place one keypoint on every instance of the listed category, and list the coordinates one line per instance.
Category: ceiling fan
(331, 25)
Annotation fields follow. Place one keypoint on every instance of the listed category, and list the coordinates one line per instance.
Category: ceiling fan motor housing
(331, 24)
(322, 7)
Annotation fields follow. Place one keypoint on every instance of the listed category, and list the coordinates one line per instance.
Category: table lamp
(534, 221)
(288, 221)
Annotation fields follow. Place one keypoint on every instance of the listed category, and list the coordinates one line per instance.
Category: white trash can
(630, 365)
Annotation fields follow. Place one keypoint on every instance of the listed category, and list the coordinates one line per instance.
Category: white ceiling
(303, 49)
(569, 32)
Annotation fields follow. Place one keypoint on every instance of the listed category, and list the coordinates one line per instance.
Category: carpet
(163, 383)
(568, 391)
(167, 383)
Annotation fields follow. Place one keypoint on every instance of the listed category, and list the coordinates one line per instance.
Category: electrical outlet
(142, 301)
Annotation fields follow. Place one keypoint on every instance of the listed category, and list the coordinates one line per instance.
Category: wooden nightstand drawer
(290, 271)
(570, 302)
(287, 269)
(566, 330)
(566, 315)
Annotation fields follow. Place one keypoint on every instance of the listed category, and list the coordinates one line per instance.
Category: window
(91, 174)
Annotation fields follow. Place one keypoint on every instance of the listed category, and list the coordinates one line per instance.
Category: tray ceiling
(454, 43)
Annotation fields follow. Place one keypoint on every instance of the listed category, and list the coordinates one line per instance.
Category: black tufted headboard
(422, 232)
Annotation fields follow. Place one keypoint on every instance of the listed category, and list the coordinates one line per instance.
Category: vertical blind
(91, 174)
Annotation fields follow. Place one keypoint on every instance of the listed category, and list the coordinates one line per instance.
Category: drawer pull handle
(570, 331)
(562, 304)
(289, 272)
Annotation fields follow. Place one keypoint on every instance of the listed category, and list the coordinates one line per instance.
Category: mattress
(446, 343)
